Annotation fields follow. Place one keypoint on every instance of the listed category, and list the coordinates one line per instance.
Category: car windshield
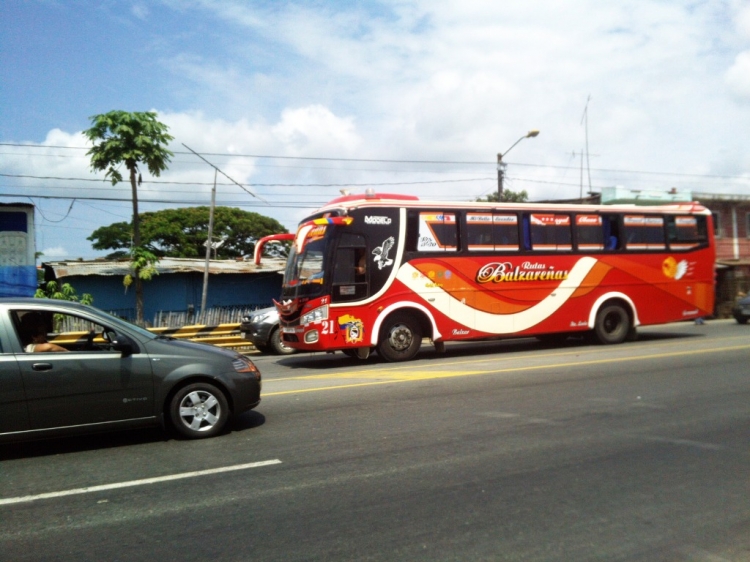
(117, 321)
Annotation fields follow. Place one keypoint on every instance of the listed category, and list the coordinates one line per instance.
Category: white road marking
(523, 419)
(684, 442)
(24, 499)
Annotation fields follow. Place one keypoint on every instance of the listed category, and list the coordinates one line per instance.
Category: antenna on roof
(585, 122)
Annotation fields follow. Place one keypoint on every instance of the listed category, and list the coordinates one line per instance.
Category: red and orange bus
(382, 272)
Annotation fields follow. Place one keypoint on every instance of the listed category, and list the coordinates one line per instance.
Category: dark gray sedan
(67, 368)
(261, 327)
(741, 310)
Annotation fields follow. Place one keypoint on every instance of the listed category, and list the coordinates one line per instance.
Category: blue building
(177, 288)
(17, 250)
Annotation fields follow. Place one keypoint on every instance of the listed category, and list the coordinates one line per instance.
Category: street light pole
(500, 175)
(502, 165)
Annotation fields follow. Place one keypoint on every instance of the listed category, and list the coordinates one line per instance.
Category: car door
(91, 383)
(13, 413)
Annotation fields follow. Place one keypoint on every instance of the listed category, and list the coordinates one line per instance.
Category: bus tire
(400, 338)
(612, 324)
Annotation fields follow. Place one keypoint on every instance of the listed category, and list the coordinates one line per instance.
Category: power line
(49, 220)
(274, 157)
(223, 173)
(396, 161)
(163, 182)
(279, 204)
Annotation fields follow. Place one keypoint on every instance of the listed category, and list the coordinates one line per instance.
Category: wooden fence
(210, 317)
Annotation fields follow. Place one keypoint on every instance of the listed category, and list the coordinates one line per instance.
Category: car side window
(47, 331)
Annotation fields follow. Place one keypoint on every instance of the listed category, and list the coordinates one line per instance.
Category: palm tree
(120, 137)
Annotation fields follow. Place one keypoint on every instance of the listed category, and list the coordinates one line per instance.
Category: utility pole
(208, 244)
(500, 175)
(211, 221)
(585, 123)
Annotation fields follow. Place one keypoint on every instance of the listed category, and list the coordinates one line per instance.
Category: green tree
(64, 292)
(182, 233)
(509, 196)
(118, 138)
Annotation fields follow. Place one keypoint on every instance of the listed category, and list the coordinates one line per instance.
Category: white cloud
(55, 253)
(738, 76)
(742, 18)
(316, 130)
(460, 80)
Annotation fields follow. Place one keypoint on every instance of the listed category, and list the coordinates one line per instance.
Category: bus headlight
(311, 336)
(316, 315)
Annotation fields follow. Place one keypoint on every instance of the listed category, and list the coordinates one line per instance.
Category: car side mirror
(124, 344)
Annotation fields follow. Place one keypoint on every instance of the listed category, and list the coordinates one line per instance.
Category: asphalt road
(493, 451)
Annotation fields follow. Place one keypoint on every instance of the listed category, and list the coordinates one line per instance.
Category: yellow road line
(427, 375)
(363, 372)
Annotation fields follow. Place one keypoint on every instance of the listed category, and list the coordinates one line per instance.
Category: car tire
(199, 410)
(278, 345)
(612, 324)
(741, 319)
(400, 338)
(262, 348)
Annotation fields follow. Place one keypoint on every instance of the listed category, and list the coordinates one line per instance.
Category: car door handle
(42, 366)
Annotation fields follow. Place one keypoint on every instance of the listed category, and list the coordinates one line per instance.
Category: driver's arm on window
(43, 346)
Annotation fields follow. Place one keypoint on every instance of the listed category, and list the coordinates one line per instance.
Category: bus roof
(353, 201)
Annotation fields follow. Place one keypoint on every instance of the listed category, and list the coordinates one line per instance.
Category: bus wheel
(612, 324)
(400, 338)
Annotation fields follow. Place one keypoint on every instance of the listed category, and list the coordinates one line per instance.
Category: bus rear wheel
(612, 324)
(400, 338)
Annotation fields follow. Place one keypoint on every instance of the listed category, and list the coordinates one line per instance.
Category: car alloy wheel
(199, 410)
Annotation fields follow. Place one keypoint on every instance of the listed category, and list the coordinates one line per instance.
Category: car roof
(29, 301)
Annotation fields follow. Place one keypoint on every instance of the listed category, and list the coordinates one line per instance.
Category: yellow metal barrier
(223, 335)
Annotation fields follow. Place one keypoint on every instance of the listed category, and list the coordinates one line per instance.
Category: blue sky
(354, 82)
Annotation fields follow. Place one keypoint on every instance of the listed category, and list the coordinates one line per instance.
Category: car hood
(168, 345)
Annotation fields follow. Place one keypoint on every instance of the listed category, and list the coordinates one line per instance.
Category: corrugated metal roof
(164, 266)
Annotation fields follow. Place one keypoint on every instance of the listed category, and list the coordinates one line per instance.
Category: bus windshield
(305, 271)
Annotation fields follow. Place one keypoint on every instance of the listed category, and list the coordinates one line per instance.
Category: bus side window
(644, 232)
(438, 232)
(526, 228)
(350, 268)
(611, 232)
(491, 232)
(590, 233)
(479, 232)
(686, 232)
(505, 232)
(344, 268)
(550, 232)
